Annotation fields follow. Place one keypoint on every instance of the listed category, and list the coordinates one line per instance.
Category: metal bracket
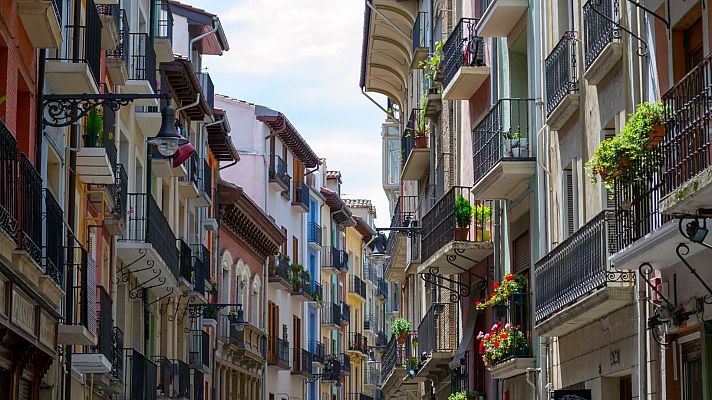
(681, 255)
(66, 109)
(651, 12)
(169, 291)
(641, 50)
(645, 270)
(432, 277)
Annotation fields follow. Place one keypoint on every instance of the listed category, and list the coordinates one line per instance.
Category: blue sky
(303, 58)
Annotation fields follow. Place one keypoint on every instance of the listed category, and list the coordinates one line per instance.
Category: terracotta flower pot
(402, 338)
(655, 136)
(421, 142)
(462, 234)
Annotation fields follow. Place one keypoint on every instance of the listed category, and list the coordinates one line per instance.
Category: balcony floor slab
(41, 23)
(512, 367)
(689, 197)
(506, 180)
(500, 17)
(70, 77)
(146, 265)
(136, 86)
(416, 166)
(463, 252)
(164, 49)
(94, 167)
(91, 363)
(465, 83)
(148, 122)
(604, 63)
(563, 112)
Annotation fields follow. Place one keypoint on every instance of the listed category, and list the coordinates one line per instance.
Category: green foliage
(432, 64)
(422, 129)
(401, 326)
(483, 214)
(457, 396)
(510, 285)
(614, 155)
(463, 211)
(94, 122)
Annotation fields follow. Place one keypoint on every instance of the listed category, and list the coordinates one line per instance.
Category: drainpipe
(216, 26)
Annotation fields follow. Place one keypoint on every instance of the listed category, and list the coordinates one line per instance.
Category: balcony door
(272, 326)
(297, 329)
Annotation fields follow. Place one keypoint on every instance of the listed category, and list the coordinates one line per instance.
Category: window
(272, 327)
(569, 202)
(284, 244)
(692, 370)
(522, 254)
(295, 249)
(692, 45)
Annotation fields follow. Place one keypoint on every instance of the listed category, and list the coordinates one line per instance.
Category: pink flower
(494, 327)
(508, 325)
(480, 335)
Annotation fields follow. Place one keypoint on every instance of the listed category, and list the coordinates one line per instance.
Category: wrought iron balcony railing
(8, 190)
(146, 223)
(393, 357)
(142, 62)
(89, 39)
(201, 266)
(206, 84)
(319, 351)
(121, 52)
(198, 385)
(192, 171)
(314, 290)
(381, 339)
(505, 133)
(83, 294)
(29, 209)
(301, 195)
(280, 270)
(278, 352)
(302, 362)
(345, 364)
(165, 20)
(117, 353)
(185, 262)
(334, 258)
(199, 349)
(597, 17)
(578, 266)
(331, 314)
(345, 313)
(687, 149)
(54, 252)
(408, 137)
(463, 48)
(105, 325)
(314, 232)
(438, 330)
(142, 376)
(119, 190)
(370, 274)
(372, 374)
(278, 171)
(382, 289)
(358, 342)
(439, 224)
(357, 286)
(561, 71)
(420, 31)
(370, 323)
(206, 179)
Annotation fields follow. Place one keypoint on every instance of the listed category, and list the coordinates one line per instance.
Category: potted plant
(510, 288)
(93, 128)
(516, 144)
(463, 218)
(483, 215)
(461, 395)
(400, 329)
(431, 66)
(413, 363)
(502, 341)
(472, 394)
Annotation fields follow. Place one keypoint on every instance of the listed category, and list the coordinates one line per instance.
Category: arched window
(225, 278)
(242, 274)
(256, 300)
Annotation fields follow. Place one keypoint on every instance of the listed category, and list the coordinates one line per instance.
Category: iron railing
(392, 358)
(382, 289)
(314, 290)
(30, 209)
(420, 31)
(119, 190)
(463, 48)
(334, 258)
(198, 385)
(372, 374)
(439, 224)
(687, 149)
(206, 188)
(57, 6)
(314, 233)
(438, 330)
(83, 288)
(301, 194)
(142, 61)
(408, 137)
(278, 352)
(345, 313)
(54, 251)
(345, 364)
(578, 266)
(142, 376)
(199, 351)
(381, 339)
(280, 270)
(105, 138)
(201, 266)
(597, 16)
(318, 349)
(302, 362)
(358, 342)
(183, 379)
(117, 353)
(165, 20)
(89, 39)
(165, 377)
(357, 286)
(561, 71)
(404, 211)
(112, 11)
(146, 223)
(206, 84)
(121, 52)
(370, 323)
(278, 171)
(331, 314)
(185, 261)
(301, 282)
(105, 325)
(8, 172)
(505, 133)
(192, 171)
(370, 273)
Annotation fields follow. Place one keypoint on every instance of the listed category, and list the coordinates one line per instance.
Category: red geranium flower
(496, 343)
(508, 277)
(496, 285)
(503, 335)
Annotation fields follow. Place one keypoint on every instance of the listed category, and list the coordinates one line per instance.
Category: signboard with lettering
(581, 394)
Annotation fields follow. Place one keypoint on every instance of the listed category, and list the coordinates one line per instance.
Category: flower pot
(520, 147)
(656, 135)
(402, 338)
(462, 234)
(421, 142)
(482, 234)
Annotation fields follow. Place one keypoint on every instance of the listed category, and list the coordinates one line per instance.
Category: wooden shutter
(569, 203)
(522, 253)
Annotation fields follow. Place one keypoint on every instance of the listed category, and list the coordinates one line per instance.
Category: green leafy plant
(422, 129)
(461, 395)
(501, 341)
(232, 315)
(472, 394)
(463, 212)
(615, 155)
(413, 362)
(432, 65)
(482, 213)
(510, 285)
(93, 128)
(401, 326)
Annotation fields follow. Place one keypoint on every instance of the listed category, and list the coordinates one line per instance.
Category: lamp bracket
(432, 277)
(66, 109)
(682, 250)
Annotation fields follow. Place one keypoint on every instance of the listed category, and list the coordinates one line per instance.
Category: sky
(303, 58)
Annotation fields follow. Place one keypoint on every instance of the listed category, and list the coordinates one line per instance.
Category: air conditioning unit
(210, 224)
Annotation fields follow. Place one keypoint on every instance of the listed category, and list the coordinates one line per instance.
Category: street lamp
(379, 255)
(240, 320)
(167, 140)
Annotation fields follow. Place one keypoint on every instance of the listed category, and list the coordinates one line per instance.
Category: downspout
(216, 26)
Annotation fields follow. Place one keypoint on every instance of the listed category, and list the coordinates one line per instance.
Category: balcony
(415, 154)
(687, 154)
(318, 349)
(403, 214)
(382, 290)
(345, 314)
(205, 187)
(115, 216)
(278, 177)
(331, 316)
(141, 376)
(421, 35)
(173, 378)
(301, 284)
(332, 369)
(54, 253)
(392, 366)
(117, 58)
(199, 349)
(42, 21)
(443, 242)
(357, 288)
(77, 70)
(142, 68)
(278, 353)
(464, 63)
(602, 43)
(98, 359)
(194, 267)
(502, 151)
(208, 89)
(438, 337)
(370, 323)
(302, 363)
(562, 86)
(314, 234)
(314, 292)
(96, 159)
(345, 362)
(198, 385)
(249, 345)
(279, 272)
(372, 375)
(81, 327)
(188, 184)
(575, 282)
(110, 25)
(358, 343)
(334, 261)
(500, 16)
(163, 41)
(148, 241)
(301, 196)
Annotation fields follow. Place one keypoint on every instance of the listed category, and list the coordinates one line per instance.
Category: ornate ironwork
(462, 48)
(67, 109)
(456, 294)
(561, 71)
(682, 250)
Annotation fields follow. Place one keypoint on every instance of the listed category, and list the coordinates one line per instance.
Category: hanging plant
(431, 66)
(500, 342)
(457, 396)
(511, 284)
(638, 138)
